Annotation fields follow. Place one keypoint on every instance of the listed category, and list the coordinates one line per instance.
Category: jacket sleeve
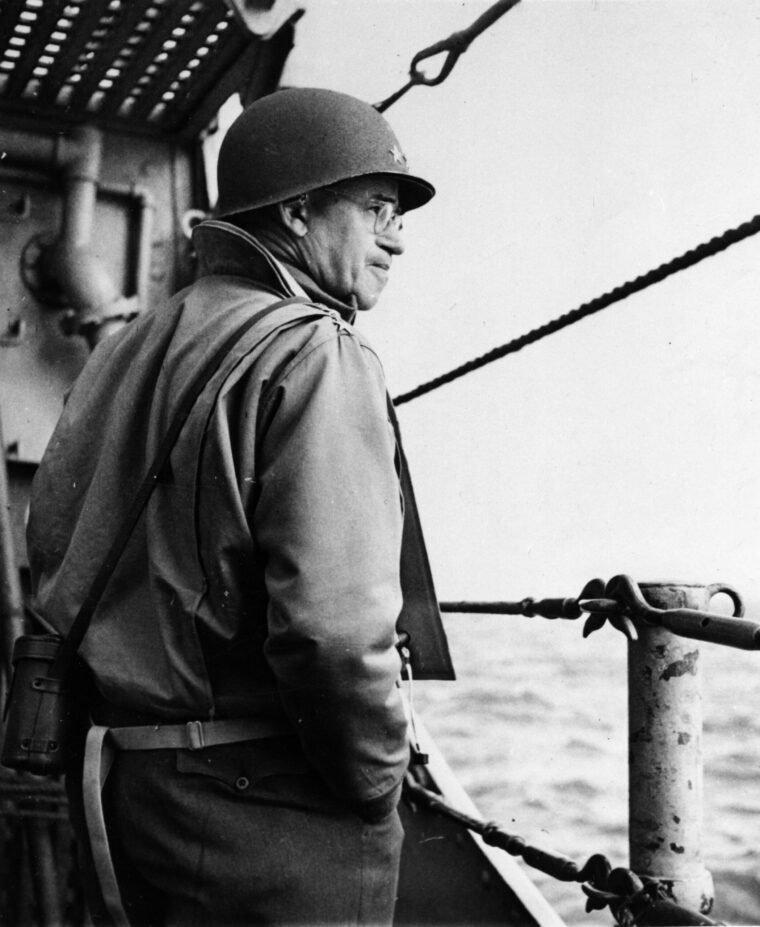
(328, 521)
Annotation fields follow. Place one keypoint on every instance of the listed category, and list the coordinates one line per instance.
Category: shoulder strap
(67, 652)
(420, 615)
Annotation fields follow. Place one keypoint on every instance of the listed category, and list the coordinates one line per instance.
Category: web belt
(100, 751)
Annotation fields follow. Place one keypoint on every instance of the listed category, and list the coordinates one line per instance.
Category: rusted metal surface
(696, 623)
(665, 752)
(162, 66)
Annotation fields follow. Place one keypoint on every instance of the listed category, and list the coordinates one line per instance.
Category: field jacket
(263, 578)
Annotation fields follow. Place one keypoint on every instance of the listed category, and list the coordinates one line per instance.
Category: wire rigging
(455, 45)
(619, 293)
(632, 900)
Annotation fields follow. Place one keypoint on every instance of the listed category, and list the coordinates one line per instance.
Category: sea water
(536, 729)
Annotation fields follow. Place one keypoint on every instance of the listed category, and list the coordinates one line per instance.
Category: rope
(619, 293)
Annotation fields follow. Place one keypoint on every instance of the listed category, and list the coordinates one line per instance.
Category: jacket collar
(224, 249)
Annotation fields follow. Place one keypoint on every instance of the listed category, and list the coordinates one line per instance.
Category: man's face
(347, 257)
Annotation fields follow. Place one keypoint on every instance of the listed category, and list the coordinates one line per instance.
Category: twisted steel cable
(619, 293)
(631, 901)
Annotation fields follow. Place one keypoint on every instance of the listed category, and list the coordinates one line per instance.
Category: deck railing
(663, 623)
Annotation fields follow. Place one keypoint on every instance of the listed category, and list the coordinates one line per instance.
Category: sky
(575, 145)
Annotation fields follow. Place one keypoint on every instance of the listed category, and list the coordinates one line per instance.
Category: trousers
(244, 834)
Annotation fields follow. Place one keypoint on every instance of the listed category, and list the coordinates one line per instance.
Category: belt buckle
(195, 737)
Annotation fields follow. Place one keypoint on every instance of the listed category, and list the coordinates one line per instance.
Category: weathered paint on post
(665, 752)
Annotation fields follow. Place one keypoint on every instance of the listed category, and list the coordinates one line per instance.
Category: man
(247, 637)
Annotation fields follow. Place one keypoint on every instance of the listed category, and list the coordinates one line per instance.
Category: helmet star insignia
(398, 155)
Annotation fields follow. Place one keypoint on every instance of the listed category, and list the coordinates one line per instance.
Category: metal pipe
(78, 156)
(11, 597)
(145, 243)
(146, 203)
(665, 753)
(69, 260)
(44, 875)
(25, 147)
(80, 162)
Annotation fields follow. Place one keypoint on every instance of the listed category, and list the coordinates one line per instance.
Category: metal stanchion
(665, 752)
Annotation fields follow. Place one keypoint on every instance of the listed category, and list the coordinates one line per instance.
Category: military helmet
(300, 139)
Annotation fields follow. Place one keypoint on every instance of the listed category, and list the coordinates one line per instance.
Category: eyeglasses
(386, 215)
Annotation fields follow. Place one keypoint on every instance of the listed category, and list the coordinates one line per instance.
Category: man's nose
(392, 240)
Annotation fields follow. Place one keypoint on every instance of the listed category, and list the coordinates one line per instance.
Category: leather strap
(67, 652)
(195, 735)
(100, 751)
(98, 759)
(420, 616)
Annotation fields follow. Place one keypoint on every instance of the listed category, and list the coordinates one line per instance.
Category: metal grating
(144, 64)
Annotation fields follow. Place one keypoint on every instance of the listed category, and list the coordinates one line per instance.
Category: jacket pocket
(272, 771)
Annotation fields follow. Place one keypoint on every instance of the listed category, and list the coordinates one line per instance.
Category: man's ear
(294, 215)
